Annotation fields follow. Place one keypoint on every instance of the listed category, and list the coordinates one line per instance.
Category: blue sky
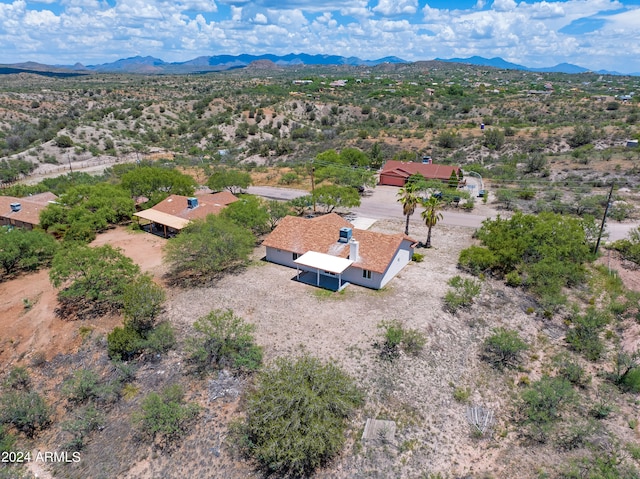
(596, 34)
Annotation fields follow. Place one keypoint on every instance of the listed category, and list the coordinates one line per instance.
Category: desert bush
(206, 249)
(18, 378)
(24, 250)
(571, 371)
(124, 343)
(160, 339)
(503, 348)
(296, 416)
(584, 335)
(476, 260)
(548, 250)
(93, 279)
(582, 135)
(27, 411)
(7, 440)
(224, 340)
(165, 415)
(396, 337)
(85, 420)
(461, 294)
(142, 302)
(542, 403)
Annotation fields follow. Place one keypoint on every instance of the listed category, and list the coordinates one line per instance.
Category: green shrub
(224, 340)
(6, 439)
(417, 257)
(542, 403)
(82, 386)
(18, 378)
(124, 343)
(142, 302)
(503, 348)
(476, 260)
(160, 339)
(461, 394)
(27, 411)
(395, 338)
(86, 420)
(631, 380)
(513, 279)
(296, 416)
(571, 371)
(462, 293)
(165, 414)
(584, 336)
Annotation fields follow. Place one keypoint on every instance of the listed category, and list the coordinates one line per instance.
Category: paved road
(382, 204)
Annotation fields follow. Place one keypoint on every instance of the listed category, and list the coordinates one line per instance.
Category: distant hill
(151, 65)
(498, 62)
(227, 62)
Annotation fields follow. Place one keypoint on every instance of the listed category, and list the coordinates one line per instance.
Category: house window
(295, 256)
(366, 274)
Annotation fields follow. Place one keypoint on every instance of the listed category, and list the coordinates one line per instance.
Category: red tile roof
(320, 234)
(30, 207)
(208, 204)
(428, 170)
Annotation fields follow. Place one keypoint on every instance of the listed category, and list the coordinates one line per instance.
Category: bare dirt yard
(27, 304)
(433, 435)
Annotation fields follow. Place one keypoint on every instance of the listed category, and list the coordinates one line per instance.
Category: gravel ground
(433, 434)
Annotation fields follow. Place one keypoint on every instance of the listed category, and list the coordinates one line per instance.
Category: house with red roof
(396, 173)
(175, 212)
(328, 251)
(24, 212)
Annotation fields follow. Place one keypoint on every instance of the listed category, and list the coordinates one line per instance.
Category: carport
(325, 268)
(166, 221)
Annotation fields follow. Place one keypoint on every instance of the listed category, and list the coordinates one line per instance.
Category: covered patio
(325, 270)
(161, 223)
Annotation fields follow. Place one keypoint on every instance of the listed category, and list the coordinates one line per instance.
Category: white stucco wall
(352, 274)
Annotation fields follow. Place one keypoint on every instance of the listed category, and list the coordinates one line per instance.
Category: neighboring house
(24, 212)
(327, 251)
(175, 212)
(396, 173)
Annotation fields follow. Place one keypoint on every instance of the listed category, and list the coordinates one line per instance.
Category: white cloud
(41, 19)
(396, 7)
(260, 18)
(533, 33)
(198, 5)
(503, 5)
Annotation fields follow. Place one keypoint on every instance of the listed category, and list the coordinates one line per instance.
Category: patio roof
(161, 218)
(325, 262)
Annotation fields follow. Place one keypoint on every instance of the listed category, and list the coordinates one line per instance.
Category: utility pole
(70, 169)
(604, 218)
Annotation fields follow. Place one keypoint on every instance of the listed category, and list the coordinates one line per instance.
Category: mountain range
(204, 64)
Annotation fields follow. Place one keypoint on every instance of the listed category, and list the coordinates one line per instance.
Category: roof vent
(15, 206)
(192, 203)
(345, 235)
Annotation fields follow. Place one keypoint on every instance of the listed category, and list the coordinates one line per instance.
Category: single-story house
(175, 212)
(396, 173)
(327, 251)
(24, 212)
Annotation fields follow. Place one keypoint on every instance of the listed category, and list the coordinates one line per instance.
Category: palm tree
(431, 216)
(408, 198)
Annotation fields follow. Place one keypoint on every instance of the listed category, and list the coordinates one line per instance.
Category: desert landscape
(509, 374)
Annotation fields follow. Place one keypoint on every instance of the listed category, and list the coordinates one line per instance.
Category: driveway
(382, 203)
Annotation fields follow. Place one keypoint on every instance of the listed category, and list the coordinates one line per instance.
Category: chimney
(192, 203)
(15, 207)
(354, 249)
